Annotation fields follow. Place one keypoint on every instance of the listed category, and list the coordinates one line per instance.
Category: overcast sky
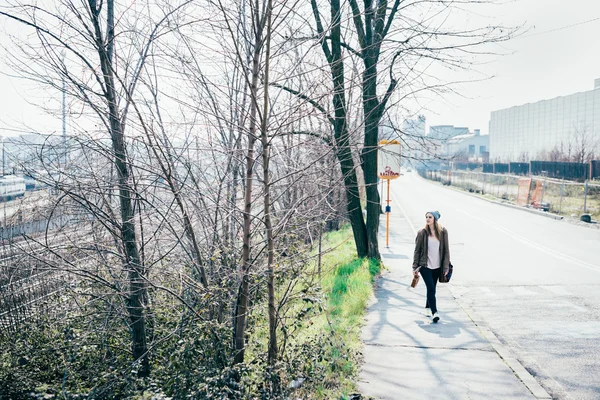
(557, 56)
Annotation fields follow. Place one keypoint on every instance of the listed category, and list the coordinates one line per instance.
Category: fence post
(497, 186)
(543, 191)
(483, 179)
(562, 193)
(585, 191)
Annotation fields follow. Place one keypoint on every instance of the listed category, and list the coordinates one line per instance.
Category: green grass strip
(348, 283)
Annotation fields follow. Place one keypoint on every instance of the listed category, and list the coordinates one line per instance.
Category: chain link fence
(560, 197)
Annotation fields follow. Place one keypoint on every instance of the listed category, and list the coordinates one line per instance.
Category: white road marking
(533, 244)
(521, 291)
(559, 290)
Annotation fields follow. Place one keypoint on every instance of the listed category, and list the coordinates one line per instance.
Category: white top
(433, 252)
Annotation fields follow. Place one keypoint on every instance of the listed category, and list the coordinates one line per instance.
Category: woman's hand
(416, 273)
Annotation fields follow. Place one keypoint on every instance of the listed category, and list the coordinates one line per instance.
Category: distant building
(30, 151)
(567, 125)
(439, 135)
(387, 131)
(470, 147)
(442, 142)
(445, 132)
(414, 142)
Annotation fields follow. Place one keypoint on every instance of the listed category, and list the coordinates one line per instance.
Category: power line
(561, 28)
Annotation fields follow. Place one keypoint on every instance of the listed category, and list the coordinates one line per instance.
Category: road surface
(533, 280)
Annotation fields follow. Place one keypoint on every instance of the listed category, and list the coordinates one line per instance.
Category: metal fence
(559, 196)
(26, 298)
(551, 169)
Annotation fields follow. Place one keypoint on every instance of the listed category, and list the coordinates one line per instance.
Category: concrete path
(406, 356)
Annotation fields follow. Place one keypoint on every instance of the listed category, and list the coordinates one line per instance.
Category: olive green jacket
(420, 256)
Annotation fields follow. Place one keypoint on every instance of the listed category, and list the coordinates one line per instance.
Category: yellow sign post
(388, 168)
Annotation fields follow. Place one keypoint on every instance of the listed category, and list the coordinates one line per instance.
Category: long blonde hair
(437, 228)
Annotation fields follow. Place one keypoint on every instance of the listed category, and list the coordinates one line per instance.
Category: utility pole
(64, 119)
(64, 114)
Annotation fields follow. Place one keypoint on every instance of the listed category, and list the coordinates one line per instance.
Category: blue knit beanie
(436, 214)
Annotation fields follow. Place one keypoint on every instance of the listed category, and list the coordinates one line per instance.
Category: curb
(504, 353)
(592, 225)
(511, 362)
(516, 207)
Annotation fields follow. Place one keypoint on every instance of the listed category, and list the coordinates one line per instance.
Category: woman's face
(429, 219)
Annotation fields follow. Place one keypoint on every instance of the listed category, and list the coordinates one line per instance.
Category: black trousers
(431, 278)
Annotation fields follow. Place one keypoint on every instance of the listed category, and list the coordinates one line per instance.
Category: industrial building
(565, 126)
(445, 132)
(469, 147)
(459, 144)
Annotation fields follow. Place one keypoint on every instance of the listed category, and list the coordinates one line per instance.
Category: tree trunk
(369, 155)
(353, 207)
(137, 285)
(272, 353)
(342, 137)
(340, 126)
(241, 312)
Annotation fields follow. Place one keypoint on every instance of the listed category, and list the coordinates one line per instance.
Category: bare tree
(585, 145)
(107, 88)
(403, 39)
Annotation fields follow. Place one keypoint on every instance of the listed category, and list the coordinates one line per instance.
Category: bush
(87, 355)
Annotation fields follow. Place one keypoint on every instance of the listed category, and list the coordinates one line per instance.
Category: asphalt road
(533, 280)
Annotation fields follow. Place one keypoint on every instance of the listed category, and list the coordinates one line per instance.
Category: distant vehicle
(11, 187)
(31, 183)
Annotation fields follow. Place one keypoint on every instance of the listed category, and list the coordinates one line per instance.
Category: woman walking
(432, 258)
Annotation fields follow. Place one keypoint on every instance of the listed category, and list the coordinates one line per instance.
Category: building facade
(442, 142)
(566, 125)
(445, 132)
(471, 147)
(31, 152)
(414, 147)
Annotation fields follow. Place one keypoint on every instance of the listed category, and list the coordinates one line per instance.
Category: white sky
(543, 63)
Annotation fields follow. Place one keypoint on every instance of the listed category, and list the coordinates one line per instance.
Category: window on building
(471, 149)
(481, 149)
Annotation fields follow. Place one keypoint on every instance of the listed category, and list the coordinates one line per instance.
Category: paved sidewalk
(406, 356)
